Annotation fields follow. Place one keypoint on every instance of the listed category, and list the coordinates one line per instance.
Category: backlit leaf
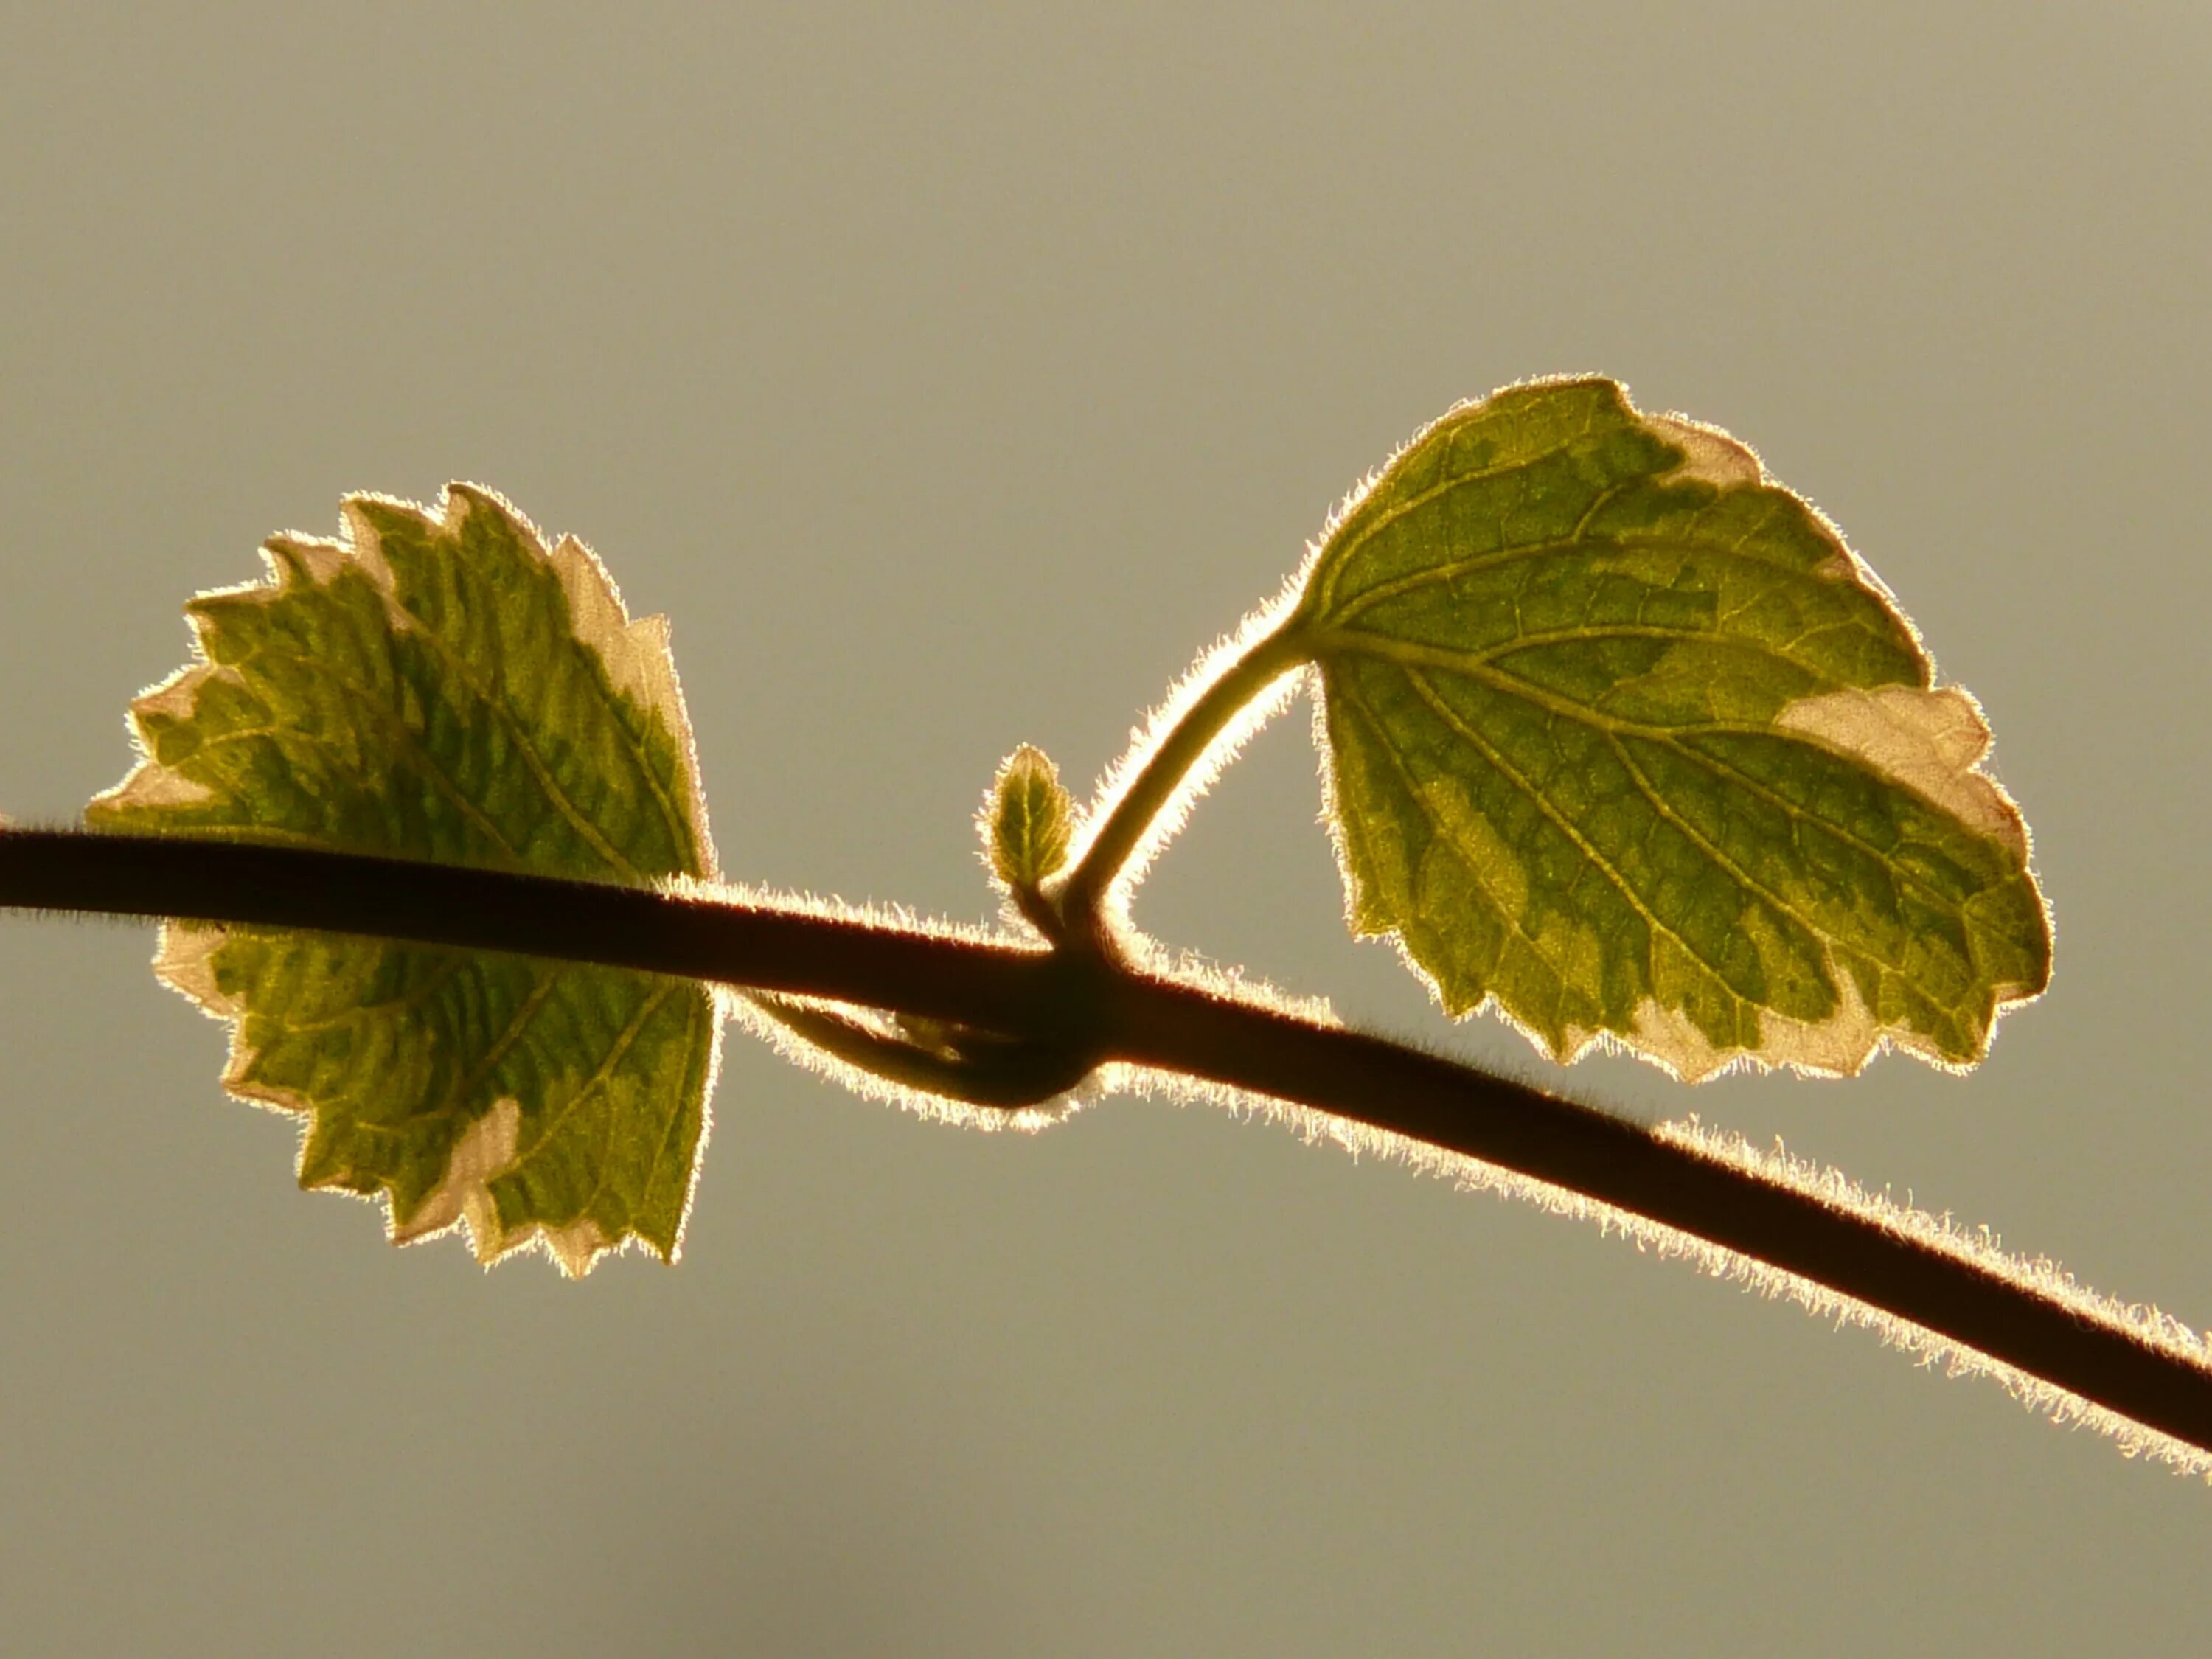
(1622, 736)
(1030, 817)
(443, 688)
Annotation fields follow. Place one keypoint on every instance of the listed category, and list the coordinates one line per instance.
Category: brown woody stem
(1101, 1009)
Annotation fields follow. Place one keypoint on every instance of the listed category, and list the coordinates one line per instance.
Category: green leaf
(1623, 737)
(444, 688)
(1029, 819)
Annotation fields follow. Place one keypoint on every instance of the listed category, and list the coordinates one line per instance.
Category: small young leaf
(1030, 817)
(1623, 736)
(445, 689)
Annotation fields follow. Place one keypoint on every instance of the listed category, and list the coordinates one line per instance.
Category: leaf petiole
(1142, 811)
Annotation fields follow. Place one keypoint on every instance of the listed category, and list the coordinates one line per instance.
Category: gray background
(952, 378)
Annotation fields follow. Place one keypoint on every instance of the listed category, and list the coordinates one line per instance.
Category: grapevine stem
(1113, 1011)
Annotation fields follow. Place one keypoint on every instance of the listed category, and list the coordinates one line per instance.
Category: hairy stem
(1103, 1011)
(1137, 809)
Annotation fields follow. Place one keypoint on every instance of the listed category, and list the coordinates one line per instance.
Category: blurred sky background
(952, 376)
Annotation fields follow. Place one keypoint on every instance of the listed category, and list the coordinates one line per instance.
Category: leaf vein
(1498, 558)
(539, 769)
(616, 1053)
(1445, 712)
(1473, 866)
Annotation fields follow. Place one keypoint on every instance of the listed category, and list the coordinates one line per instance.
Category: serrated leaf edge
(636, 657)
(1918, 739)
